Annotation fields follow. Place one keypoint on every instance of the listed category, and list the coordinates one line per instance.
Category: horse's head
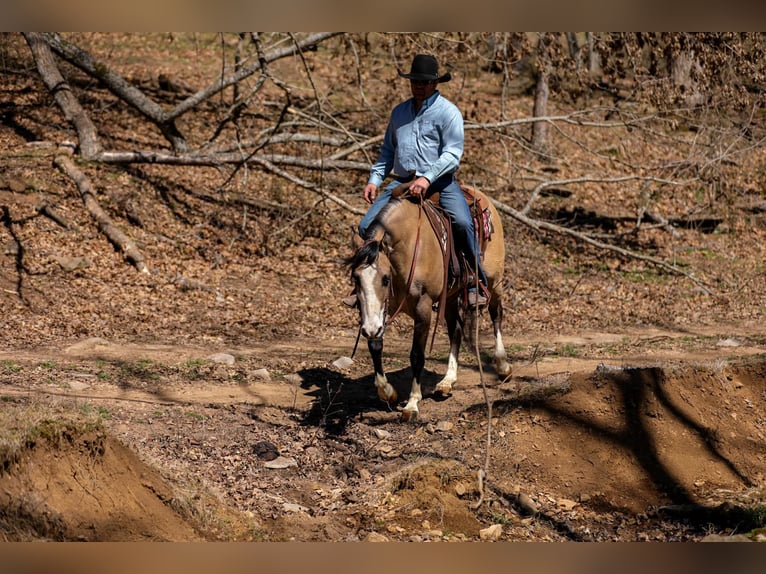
(371, 272)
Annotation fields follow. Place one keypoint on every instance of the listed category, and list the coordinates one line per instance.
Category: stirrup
(476, 298)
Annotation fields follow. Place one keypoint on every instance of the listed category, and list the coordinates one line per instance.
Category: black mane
(365, 255)
(368, 252)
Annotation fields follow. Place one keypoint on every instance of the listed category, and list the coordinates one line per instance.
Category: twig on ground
(115, 235)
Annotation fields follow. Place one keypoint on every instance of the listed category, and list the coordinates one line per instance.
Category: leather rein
(410, 278)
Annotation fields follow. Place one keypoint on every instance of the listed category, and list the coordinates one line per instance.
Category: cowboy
(423, 146)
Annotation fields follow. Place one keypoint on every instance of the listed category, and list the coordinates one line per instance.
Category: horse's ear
(356, 241)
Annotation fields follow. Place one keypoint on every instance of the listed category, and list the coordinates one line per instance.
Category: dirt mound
(87, 487)
(636, 438)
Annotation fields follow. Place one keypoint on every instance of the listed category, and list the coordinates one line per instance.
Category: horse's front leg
(386, 392)
(418, 356)
(455, 332)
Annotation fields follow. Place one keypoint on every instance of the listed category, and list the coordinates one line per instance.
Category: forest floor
(203, 400)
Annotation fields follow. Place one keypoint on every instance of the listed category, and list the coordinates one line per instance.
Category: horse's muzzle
(378, 334)
(375, 344)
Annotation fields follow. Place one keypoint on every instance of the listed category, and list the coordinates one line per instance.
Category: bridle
(410, 278)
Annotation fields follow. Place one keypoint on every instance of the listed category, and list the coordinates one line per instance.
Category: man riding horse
(422, 147)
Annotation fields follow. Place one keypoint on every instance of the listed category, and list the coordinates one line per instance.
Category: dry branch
(224, 82)
(118, 238)
(590, 179)
(214, 159)
(62, 93)
(118, 86)
(306, 185)
(539, 225)
(51, 213)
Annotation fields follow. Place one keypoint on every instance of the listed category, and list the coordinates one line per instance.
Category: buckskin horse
(401, 267)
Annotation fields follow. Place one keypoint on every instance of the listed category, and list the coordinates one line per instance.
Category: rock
(70, 264)
(375, 537)
(728, 343)
(566, 504)
(16, 185)
(443, 426)
(460, 489)
(265, 450)
(343, 363)
(281, 462)
(527, 504)
(77, 385)
(380, 433)
(223, 358)
(292, 507)
(294, 378)
(262, 375)
(493, 532)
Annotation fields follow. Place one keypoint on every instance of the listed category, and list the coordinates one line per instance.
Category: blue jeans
(452, 200)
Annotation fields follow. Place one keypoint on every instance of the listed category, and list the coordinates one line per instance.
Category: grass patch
(568, 350)
(24, 424)
(9, 367)
(142, 369)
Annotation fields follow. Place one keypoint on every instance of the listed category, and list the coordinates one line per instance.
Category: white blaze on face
(371, 301)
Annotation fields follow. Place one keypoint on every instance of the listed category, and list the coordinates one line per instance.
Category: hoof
(390, 398)
(408, 416)
(504, 370)
(444, 389)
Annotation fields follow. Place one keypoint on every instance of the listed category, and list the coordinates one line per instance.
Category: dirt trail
(627, 438)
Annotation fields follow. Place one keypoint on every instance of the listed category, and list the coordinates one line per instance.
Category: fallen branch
(214, 159)
(539, 225)
(118, 86)
(306, 185)
(62, 93)
(588, 179)
(51, 213)
(115, 235)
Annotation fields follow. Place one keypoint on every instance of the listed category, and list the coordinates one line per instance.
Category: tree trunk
(73, 111)
(683, 67)
(594, 58)
(542, 91)
(575, 50)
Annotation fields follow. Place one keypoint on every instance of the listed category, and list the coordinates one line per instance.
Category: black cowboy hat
(425, 68)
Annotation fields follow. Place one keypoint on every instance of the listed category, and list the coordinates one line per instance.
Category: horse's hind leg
(455, 332)
(386, 392)
(496, 315)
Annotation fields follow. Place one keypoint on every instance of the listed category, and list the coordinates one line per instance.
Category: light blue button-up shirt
(428, 144)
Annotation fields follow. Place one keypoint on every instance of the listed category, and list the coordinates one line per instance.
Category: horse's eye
(385, 280)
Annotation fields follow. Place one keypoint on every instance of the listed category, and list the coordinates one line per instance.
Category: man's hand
(419, 186)
(370, 191)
